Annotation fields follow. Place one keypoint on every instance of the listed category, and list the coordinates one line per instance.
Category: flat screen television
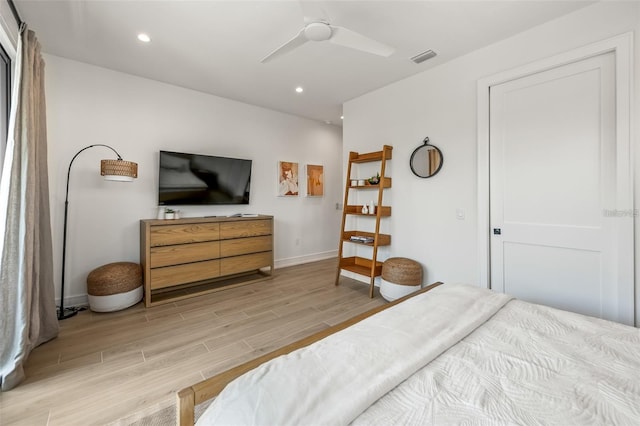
(194, 179)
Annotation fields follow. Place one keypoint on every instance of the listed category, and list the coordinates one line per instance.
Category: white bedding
(454, 354)
(529, 364)
(334, 380)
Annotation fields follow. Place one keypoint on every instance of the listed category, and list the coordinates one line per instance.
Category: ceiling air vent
(421, 57)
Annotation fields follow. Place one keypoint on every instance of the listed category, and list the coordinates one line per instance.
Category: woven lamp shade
(118, 170)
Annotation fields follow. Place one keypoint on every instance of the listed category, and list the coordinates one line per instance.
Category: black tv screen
(193, 179)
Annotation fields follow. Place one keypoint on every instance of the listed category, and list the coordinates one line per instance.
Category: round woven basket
(402, 271)
(114, 278)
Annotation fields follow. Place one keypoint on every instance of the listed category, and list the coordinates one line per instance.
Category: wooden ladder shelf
(369, 267)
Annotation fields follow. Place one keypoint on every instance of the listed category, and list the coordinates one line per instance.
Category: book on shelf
(361, 239)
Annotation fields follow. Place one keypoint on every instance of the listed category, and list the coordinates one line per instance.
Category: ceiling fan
(319, 29)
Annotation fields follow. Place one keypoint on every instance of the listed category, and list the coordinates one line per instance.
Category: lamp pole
(71, 311)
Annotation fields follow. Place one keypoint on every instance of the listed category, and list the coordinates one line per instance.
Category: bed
(448, 354)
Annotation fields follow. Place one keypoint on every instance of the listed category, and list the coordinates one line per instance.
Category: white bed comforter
(456, 354)
(336, 379)
(529, 364)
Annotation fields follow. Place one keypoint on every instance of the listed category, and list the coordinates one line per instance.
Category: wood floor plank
(338, 318)
(218, 368)
(109, 367)
(53, 389)
(240, 330)
(176, 339)
(30, 416)
(95, 357)
(266, 342)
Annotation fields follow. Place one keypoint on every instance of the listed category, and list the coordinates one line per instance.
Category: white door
(553, 187)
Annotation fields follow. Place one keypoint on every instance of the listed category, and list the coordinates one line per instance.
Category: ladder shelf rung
(368, 157)
(385, 211)
(386, 183)
(383, 239)
(361, 266)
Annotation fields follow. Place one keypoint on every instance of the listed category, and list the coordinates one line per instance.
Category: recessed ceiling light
(342, 117)
(327, 122)
(144, 38)
(299, 89)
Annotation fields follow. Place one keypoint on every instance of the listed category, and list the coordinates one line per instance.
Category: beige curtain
(27, 301)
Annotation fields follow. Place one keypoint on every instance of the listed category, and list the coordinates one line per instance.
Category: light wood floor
(125, 365)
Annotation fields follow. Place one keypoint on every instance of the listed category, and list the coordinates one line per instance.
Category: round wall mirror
(426, 160)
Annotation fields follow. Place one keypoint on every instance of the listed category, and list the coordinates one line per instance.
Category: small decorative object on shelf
(169, 214)
(372, 208)
(361, 239)
(365, 209)
(361, 182)
(160, 213)
(373, 180)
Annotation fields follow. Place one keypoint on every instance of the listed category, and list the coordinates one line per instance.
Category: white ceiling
(216, 46)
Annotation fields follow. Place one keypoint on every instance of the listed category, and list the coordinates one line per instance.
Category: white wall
(138, 117)
(8, 29)
(441, 103)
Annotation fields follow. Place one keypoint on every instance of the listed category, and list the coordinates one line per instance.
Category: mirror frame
(423, 146)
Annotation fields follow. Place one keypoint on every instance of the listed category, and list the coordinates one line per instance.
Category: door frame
(622, 46)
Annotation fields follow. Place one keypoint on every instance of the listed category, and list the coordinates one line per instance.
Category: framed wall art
(287, 179)
(315, 180)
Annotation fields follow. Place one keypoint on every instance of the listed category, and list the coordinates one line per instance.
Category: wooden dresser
(187, 257)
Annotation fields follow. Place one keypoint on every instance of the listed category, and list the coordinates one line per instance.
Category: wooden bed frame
(189, 397)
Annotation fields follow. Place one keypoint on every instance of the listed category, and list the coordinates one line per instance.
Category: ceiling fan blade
(297, 41)
(313, 11)
(354, 40)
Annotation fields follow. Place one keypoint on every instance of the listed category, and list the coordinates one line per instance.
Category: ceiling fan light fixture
(317, 31)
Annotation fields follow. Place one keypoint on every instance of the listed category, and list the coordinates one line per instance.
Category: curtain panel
(27, 302)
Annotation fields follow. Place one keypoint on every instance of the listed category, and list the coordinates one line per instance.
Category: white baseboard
(299, 260)
(78, 300)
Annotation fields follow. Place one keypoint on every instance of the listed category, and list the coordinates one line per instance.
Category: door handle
(497, 231)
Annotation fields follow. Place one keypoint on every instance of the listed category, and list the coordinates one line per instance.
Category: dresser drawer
(183, 253)
(245, 228)
(182, 274)
(245, 245)
(183, 258)
(181, 234)
(248, 262)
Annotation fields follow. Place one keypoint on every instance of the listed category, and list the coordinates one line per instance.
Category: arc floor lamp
(115, 170)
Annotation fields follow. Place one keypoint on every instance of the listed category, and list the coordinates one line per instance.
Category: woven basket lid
(403, 271)
(114, 278)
